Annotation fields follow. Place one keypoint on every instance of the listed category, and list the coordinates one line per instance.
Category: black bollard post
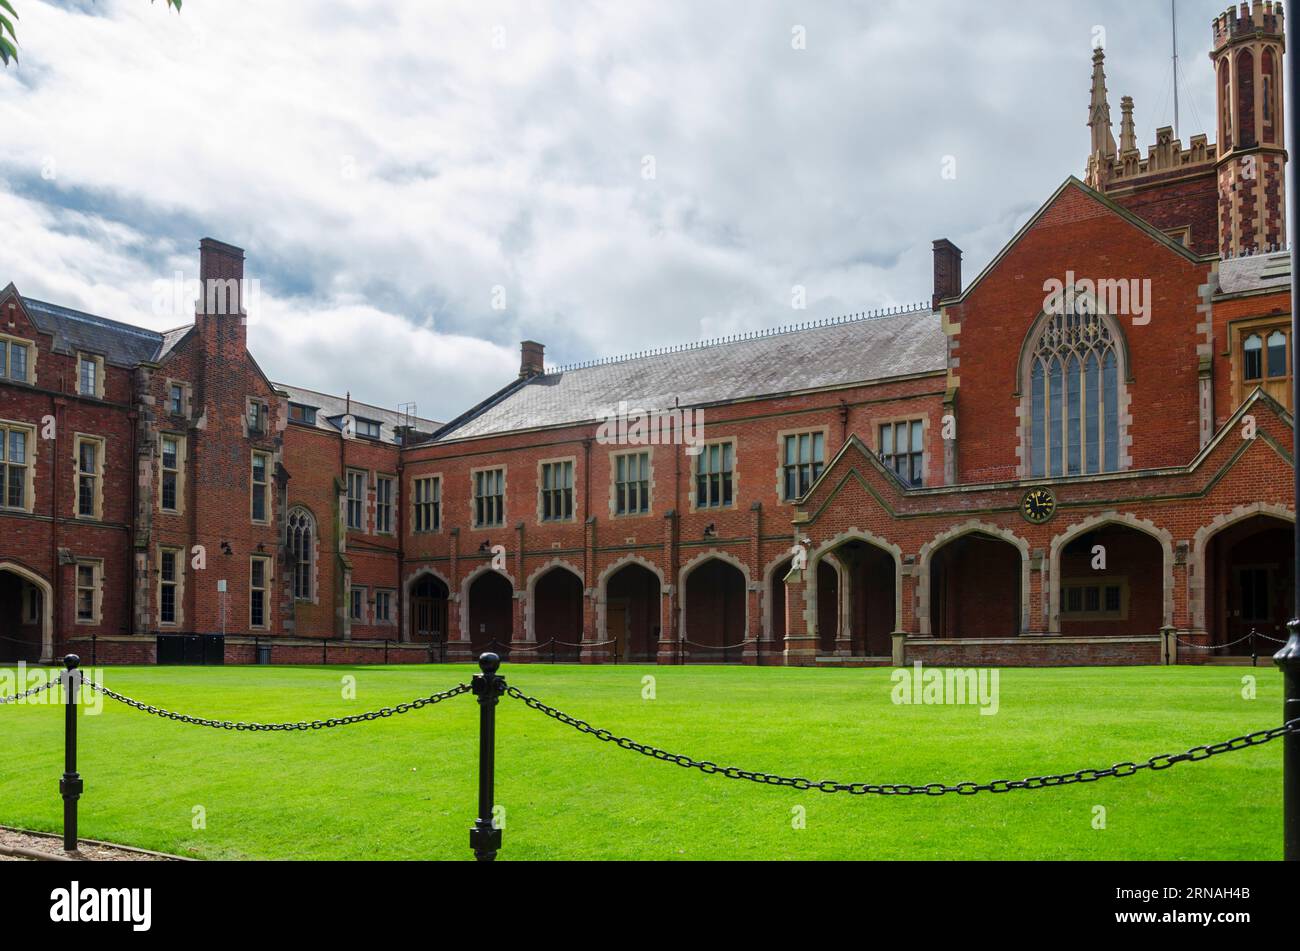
(1254, 649)
(1288, 659)
(70, 786)
(485, 838)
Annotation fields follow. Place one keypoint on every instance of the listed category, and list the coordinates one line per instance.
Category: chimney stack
(532, 359)
(221, 276)
(947, 271)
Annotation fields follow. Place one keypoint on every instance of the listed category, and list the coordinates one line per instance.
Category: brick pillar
(669, 646)
(1038, 580)
(458, 642)
(754, 632)
(800, 641)
(909, 617)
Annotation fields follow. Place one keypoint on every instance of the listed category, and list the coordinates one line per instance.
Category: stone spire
(1127, 137)
(1103, 136)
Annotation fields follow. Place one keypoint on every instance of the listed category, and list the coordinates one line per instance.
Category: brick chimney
(947, 271)
(221, 275)
(532, 359)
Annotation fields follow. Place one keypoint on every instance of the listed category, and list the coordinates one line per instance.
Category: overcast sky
(421, 185)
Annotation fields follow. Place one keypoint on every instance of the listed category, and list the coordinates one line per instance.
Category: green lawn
(404, 788)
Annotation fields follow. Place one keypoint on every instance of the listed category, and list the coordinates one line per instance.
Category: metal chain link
(54, 682)
(1120, 770)
(277, 727)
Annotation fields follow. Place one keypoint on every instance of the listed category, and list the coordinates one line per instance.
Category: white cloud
(388, 164)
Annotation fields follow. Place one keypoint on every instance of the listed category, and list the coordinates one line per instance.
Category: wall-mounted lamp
(710, 531)
(226, 549)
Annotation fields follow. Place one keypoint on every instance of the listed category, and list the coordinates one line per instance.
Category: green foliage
(9, 44)
(404, 787)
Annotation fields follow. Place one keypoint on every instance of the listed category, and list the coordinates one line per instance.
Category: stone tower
(1248, 51)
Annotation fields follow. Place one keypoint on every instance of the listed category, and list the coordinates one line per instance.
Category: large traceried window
(302, 553)
(1074, 377)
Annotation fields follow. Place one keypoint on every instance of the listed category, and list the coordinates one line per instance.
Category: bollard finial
(71, 661)
(489, 662)
(1289, 655)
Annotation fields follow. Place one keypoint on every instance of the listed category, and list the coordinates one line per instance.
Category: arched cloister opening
(556, 606)
(1111, 581)
(1249, 567)
(491, 612)
(828, 605)
(427, 619)
(26, 631)
(976, 587)
(633, 613)
(714, 612)
(775, 607)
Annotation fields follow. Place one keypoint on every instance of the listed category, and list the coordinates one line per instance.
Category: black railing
(1251, 644)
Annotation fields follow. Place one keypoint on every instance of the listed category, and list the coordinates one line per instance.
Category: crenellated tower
(1249, 45)
(1228, 199)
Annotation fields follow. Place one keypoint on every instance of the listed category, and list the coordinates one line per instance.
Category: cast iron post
(71, 785)
(485, 838)
(1288, 658)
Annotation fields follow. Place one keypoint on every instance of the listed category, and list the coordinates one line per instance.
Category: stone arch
(821, 551)
(974, 526)
(47, 605)
(1196, 568)
(602, 592)
(530, 589)
(1051, 589)
(697, 562)
(427, 571)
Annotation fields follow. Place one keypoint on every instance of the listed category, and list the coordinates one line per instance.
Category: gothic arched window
(302, 553)
(1074, 380)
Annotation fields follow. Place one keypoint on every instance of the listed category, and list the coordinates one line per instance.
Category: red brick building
(1083, 455)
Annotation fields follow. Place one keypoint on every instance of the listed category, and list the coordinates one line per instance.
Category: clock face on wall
(1038, 505)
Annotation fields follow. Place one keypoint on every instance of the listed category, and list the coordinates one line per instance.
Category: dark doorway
(22, 614)
(715, 613)
(632, 613)
(428, 624)
(975, 588)
(491, 613)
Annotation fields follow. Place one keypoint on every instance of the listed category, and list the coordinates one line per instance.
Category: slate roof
(118, 343)
(1258, 272)
(128, 346)
(839, 353)
(330, 411)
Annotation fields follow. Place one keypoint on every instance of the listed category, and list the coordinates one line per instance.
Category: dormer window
(90, 376)
(368, 429)
(299, 413)
(1263, 359)
(257, 418)
(14, 360)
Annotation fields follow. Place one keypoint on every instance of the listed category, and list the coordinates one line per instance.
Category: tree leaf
(4, 22)
(8, 6)
(7, 51)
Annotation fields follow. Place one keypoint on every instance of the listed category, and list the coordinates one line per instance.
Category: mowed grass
(405, 787)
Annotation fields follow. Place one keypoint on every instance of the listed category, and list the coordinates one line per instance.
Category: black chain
(301, 725)
(54, 682)
(1120, 770)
